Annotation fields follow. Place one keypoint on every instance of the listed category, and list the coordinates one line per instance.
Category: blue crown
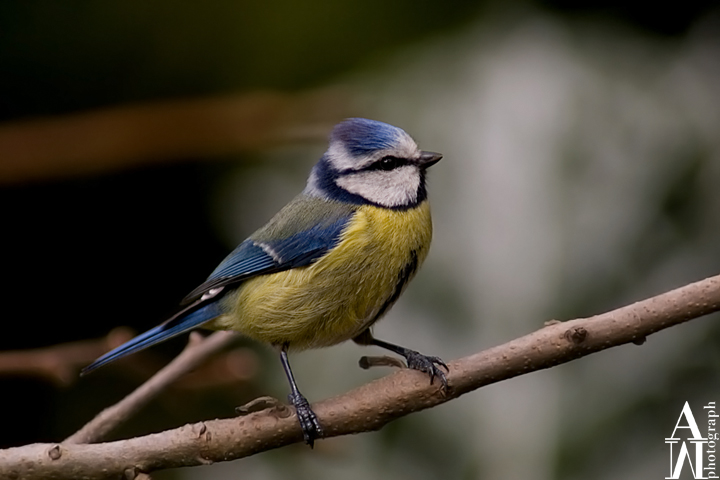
(361, 136)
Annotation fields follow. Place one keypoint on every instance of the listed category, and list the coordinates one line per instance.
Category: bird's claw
(308, 420)
(429, 365)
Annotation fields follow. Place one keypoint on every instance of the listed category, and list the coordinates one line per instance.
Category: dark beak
(428, 159)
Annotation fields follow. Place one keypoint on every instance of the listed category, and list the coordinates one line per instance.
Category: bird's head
(371, 162)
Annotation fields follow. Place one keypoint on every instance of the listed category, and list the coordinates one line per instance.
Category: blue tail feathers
(159, 334)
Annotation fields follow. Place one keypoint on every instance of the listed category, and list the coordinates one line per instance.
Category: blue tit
(329, 264)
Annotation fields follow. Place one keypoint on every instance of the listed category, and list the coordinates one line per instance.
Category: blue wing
(261, 254)
(303, 232)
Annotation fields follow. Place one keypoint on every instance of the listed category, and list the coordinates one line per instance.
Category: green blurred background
(140, 141)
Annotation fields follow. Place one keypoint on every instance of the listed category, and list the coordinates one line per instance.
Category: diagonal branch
(368, 407)
(195, 353)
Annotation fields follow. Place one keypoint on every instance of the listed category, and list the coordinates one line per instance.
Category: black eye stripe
(388, 163)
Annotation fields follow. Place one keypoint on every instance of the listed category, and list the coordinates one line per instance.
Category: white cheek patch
(392, 188)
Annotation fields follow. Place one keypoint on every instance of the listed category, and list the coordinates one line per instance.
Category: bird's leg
(307, 418)
(415, 360)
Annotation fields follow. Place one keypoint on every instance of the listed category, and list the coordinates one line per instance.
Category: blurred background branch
(59, 363)
(118, 138)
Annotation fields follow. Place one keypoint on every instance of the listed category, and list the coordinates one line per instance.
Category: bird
(328, 265)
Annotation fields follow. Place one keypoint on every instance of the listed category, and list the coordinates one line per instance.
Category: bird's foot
(429, 365)
(308, 420)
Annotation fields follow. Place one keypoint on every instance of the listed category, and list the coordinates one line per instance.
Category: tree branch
(368, 407)
(196, 352)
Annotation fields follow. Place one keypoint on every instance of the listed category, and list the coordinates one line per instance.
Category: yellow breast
(341, 294)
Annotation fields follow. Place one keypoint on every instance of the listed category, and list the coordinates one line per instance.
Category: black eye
(388, 163)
